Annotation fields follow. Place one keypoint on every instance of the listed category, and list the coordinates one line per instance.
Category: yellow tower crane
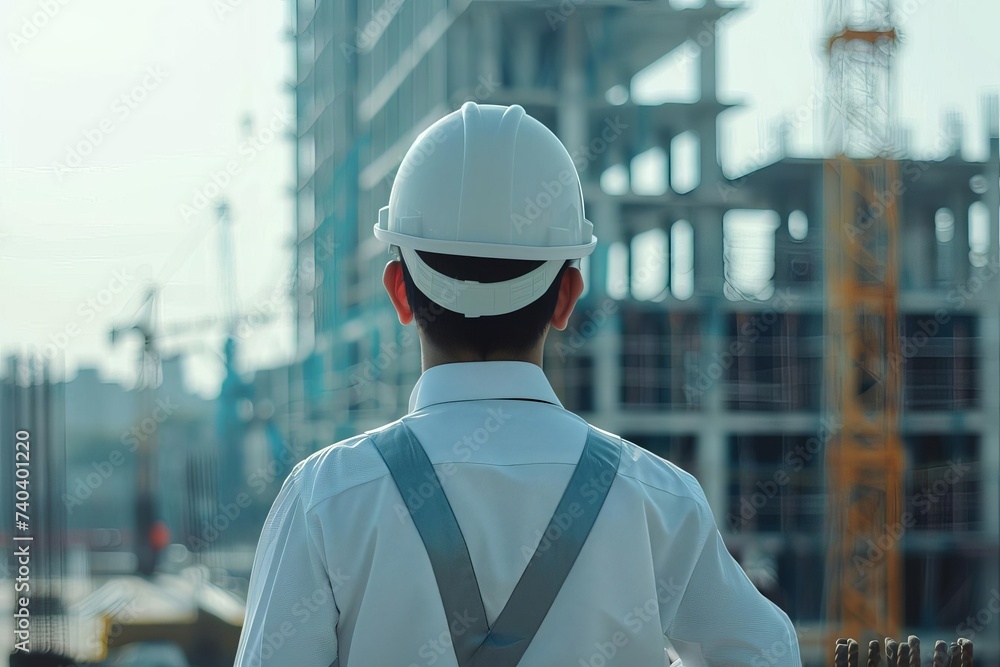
(864, 462)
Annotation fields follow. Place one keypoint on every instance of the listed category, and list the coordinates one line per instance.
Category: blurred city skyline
(171, 96)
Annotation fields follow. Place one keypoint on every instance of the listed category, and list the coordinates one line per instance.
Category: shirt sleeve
(291, 615)
(723, 620)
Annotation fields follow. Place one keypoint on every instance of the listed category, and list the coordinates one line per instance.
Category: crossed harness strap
(503, 644)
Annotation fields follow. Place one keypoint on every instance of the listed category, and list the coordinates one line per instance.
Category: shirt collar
(481, 380)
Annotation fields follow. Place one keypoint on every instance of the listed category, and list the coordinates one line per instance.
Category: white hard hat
(486, 181)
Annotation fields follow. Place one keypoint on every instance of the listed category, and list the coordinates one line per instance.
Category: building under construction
(705, 331)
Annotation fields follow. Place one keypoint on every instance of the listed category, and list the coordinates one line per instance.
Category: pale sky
(164, 95)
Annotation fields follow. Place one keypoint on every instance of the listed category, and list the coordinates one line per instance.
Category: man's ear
(392, 278)
(569, 292)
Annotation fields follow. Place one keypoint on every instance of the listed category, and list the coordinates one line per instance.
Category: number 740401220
(22, 477)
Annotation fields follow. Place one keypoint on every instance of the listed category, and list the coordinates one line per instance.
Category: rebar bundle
(903, 654)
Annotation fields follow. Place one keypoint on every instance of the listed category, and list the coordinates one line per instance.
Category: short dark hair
(514, 333)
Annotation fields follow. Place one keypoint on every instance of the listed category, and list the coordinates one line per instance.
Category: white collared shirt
(341, 571)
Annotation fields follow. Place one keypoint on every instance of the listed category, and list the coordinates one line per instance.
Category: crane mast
(864, 461)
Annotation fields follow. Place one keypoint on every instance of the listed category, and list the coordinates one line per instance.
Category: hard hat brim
(489, 250)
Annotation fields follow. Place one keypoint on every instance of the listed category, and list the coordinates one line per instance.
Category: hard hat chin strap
(475, 299)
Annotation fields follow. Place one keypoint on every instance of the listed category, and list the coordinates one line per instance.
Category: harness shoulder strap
(504, 644)
(415, 478)
(555, 555)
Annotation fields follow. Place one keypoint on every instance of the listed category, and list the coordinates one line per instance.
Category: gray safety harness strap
(435, 521)
(543, 577)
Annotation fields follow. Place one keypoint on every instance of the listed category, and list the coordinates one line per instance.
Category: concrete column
(711, 456)
(713, 467)
(607, 344)
(989, 354)
(572, 113)
(710, 171)
(708, 262)
(460, 58)
(487, 43)
(992, 199)
(707, 127)
(960, 242)
(707, 61)
(525, 57)
(989, 444)
(782, 252)
(915, 241)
